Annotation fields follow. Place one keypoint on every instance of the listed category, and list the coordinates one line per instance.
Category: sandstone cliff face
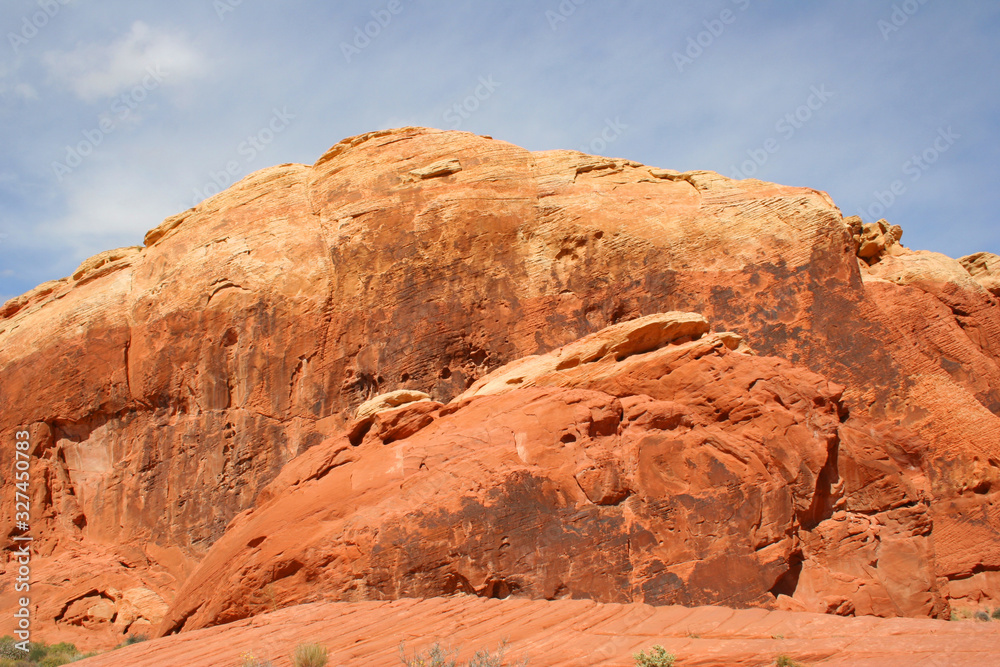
(645, 463)
(166, 386)
(985, 268)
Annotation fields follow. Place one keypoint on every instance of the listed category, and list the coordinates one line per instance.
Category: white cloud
(108, 205)
(9, 84)
(95, 71)
(25, 90)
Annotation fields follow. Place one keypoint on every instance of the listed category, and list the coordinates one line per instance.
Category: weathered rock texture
(165, 386)
(572, 633)
(645, 463)
(985, 268)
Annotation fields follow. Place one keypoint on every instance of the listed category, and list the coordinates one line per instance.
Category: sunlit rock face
(165, 386)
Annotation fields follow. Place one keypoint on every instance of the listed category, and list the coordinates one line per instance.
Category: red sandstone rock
(633, 465)
(166, 386)
(571, 633)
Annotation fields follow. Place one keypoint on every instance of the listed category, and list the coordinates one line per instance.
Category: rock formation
(645, 463)
(985, 268)
(166, 387)
(571, 632)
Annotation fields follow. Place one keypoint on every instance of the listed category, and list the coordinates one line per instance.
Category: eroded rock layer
(648, 462)
(571, 633)
(165, 386)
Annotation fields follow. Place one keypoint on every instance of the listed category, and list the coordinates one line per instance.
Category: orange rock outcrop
(648, 462)
(168, 390)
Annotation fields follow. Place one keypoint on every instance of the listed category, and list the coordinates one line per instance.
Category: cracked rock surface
(166, 386)
(659, 467)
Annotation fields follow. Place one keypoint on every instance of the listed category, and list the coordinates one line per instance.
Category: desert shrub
(7, 649)
(483, 658)
(438, 656)
(435, 656)
(38, 651)
(248, 659)
(996, 614)
(982, 616)
(785, 661)
(64, 647)
(57, 659)
(658, 657)
(310, 655)
(132, 639)
(39, 654)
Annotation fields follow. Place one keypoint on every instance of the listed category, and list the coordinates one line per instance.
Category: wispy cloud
(96, 71)
(604, 79)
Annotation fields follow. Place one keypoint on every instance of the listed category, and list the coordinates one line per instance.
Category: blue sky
(115, 115)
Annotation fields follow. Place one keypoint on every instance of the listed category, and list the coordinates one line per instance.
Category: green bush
(132, 639)
(56, 660)
(39, 654)
(310, 655)
(658, 657)
(962, 614)
(996, 614)
(38, 651)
